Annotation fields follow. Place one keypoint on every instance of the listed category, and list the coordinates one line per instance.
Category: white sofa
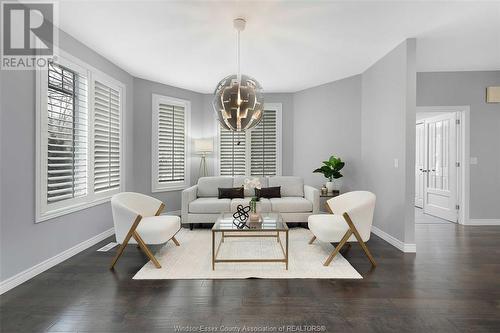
(200, 203)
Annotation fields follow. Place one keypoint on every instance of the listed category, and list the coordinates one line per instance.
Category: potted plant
(331, 170)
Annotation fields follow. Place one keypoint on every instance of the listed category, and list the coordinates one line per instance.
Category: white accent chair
(137, 221)
(351, 220)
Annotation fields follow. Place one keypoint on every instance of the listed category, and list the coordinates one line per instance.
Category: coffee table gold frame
(241, 233)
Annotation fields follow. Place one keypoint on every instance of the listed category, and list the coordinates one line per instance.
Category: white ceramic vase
(334, 186)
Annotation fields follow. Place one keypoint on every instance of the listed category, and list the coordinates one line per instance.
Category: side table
(322, 201)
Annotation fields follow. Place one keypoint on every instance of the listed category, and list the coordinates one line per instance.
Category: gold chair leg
(312, 240)
(146, 250)
(338, 247)
(160, 209)
(360, 240)
(176, 242)
(125, 241)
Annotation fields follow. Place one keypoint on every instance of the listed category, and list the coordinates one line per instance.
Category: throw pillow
(231, 193)
(268, 192)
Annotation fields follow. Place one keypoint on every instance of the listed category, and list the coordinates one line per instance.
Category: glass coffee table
(271, 225)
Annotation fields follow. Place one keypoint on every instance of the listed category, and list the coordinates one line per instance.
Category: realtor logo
(28, 34)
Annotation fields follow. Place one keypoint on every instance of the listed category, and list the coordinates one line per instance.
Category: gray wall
(143, 90)
(24, 243)
(326, 121)
(388, 133)
(469, 88)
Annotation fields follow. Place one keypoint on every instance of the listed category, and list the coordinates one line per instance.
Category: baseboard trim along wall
(31, 272)
(407, 248)
(483, 222)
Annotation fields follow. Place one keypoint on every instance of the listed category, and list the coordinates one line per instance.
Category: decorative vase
(253, 206)
(330, 186)
(254, 215)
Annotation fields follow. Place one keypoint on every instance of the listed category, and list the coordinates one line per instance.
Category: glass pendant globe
(238, 104)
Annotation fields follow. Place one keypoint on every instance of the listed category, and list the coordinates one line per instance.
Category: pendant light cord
(238, 54)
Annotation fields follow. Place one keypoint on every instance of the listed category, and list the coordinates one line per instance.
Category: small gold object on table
(324, 190)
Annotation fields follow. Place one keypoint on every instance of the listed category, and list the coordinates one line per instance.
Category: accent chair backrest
(126, 206)
(360, 206)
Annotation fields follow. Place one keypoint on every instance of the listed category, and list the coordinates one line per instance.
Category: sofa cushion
(209, 186)
(249, 192)
(290, 186)
(231, 193)
(209, 205)
(263, 205)
(291, 205)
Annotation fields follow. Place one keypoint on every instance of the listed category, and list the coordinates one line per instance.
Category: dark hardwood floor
(451, 285)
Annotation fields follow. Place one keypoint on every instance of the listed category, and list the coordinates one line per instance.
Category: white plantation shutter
(170, 149)
(256, 152)
(66, 134)
(106, 137)
(171, 143)
(263, 148)
(232, 153)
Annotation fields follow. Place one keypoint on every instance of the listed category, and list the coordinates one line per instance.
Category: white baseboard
(31, 272)
(404, 247)
(483, 222)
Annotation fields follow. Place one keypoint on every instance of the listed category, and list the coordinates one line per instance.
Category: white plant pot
(334, 186)
(337, 184)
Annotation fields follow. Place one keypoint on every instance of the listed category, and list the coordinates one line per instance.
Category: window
(78, 141)
(256, 152)
(170, 167)
(67, 134)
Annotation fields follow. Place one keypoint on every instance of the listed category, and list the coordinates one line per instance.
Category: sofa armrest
(312, 194)
(188, 195)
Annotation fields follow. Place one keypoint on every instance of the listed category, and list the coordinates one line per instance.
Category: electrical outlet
(396, 163)
(473, 161)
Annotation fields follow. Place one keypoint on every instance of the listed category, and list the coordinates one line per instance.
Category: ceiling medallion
(238, 99)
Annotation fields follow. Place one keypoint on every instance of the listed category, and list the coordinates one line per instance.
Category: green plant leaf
(337, 174)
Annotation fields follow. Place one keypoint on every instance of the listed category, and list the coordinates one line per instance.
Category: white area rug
(193, 259)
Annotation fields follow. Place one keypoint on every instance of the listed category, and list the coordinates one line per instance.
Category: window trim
(278, 107)
(174, 186)
(44, 211)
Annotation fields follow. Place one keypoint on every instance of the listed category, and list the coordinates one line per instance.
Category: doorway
(437, 165)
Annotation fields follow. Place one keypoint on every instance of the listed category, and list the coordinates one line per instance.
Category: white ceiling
(287, 46)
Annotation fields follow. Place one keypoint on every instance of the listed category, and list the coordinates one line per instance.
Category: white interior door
(440, 190)
(420, 165)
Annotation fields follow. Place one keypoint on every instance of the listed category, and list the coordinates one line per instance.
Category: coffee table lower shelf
(244, 234)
